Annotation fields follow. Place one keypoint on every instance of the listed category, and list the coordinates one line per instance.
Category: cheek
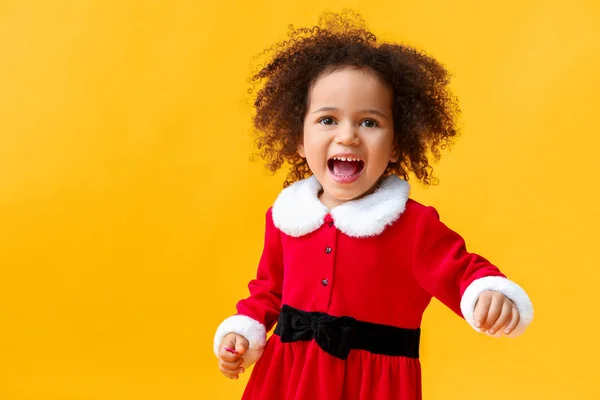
(390, 148)
(313, 152)
(312, 144)
(383, 148)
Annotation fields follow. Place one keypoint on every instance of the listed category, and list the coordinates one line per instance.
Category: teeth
(346, 159)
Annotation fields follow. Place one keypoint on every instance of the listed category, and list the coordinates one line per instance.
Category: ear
(394, 156)
(301, 151)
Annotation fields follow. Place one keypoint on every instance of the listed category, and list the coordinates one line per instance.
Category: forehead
(350, 88)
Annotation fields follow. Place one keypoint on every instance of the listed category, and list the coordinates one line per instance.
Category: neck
(331, 202)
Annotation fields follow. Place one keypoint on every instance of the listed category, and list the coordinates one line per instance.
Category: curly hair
(424, 110)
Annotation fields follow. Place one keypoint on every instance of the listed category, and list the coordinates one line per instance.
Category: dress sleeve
(258, 313)
(446, 270)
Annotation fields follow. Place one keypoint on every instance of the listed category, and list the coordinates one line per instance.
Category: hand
(494, 311)
(231, 350)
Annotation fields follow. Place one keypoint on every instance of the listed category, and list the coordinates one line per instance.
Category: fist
(231, 351)
(495, 312)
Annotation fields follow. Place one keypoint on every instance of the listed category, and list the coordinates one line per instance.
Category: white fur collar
(298, 210)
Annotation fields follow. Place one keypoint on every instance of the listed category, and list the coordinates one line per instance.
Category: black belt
(338, 335)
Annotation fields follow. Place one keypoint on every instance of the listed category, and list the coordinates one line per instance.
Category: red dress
(379, 259)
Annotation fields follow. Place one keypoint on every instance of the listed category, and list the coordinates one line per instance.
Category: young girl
(350, 262)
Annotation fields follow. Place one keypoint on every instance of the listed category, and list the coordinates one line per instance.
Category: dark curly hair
(424, 110)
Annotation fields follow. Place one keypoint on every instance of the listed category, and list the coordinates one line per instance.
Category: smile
(345, 168)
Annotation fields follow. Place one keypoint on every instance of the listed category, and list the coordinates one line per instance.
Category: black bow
(332, 334)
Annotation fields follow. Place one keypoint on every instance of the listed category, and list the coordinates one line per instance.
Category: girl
(350, 262)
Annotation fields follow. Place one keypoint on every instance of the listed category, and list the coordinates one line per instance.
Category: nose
(347, 134)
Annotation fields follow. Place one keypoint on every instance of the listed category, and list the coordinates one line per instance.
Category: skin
(350, 112)
(229, 363)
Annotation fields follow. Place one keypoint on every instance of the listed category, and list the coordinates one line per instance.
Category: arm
(258, 313)
(445, 269)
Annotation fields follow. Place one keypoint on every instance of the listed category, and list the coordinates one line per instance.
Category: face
(348, 133)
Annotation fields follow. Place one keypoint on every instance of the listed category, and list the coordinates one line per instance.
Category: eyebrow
(371, 111)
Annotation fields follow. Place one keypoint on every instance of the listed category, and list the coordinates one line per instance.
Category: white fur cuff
(249, 328)
(508, 288)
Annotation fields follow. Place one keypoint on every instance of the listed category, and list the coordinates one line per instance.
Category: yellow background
(132, 219)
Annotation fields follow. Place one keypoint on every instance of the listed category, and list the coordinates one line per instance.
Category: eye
(327, 121)
(369, 123)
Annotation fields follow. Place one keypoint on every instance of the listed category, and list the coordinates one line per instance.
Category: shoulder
(420, 220)
(418, 211)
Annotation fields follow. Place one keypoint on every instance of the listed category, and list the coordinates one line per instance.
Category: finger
(228, 342)
(227, 356)
(225, 352)
(227, 346)
(232, 374)
(241, 344)
(481, 309)
(229, 339)
(514, 322)
(230, 365)
(504, 317)
(493, 312)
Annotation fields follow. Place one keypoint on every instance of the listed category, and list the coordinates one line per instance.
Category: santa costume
(347, 288)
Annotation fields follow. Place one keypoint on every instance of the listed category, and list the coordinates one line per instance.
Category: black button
(330, 224)
(327, 250)
(324, 282)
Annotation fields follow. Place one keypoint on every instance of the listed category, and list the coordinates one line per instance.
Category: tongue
(345, 167)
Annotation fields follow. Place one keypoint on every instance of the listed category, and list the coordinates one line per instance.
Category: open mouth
(345, 169)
